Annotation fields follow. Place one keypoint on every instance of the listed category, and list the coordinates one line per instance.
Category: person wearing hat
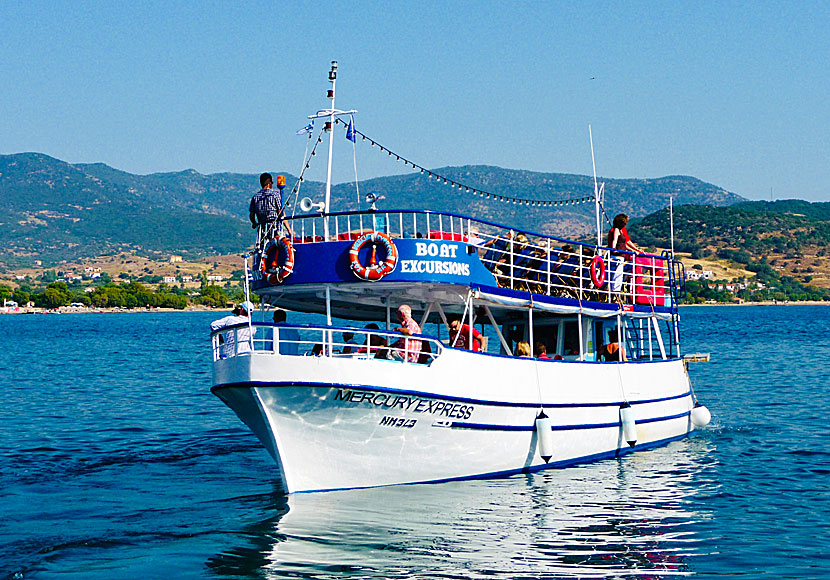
(241, 314)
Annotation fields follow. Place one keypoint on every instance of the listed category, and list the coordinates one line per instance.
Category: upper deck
(440, 255)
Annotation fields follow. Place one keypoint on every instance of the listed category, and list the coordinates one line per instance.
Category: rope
(467, 188)
(295, 191)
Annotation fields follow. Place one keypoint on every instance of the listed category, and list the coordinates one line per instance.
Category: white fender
(544, 436)
(700, 415)
(629, 424)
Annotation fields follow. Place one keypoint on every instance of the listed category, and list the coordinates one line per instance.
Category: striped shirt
(266, 205)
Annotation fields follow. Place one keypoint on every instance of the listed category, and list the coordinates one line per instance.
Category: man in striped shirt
(266, 205)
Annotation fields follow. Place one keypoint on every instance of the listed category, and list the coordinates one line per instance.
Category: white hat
(246, 306)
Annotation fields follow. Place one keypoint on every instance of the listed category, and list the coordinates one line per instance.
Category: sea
(116, 462)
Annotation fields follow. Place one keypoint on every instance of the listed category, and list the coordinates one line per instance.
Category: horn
(307, 205)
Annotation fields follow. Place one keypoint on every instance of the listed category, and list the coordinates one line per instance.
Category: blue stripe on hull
(425, 394)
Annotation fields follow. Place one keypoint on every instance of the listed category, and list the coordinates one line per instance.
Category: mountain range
(51, 210)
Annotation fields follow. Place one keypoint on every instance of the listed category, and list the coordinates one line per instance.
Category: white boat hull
(365, 423)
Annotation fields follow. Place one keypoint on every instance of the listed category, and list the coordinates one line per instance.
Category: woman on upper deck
(619, 240)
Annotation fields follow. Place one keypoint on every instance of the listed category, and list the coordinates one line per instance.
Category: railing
(326, 341)
(519, 260)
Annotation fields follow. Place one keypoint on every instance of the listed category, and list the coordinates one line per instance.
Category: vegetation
(51, 295)
(782, 243)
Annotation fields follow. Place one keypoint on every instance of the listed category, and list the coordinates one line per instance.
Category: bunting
(352, 133)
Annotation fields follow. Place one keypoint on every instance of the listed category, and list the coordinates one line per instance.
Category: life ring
(375, 270)
(598, 271)
(272, 270)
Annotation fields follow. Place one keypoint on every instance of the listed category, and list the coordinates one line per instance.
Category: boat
(341, 403)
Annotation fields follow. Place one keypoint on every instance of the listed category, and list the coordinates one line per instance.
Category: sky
(733, 93)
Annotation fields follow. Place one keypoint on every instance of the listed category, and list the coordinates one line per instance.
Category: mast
(330, 129)
(596, 188)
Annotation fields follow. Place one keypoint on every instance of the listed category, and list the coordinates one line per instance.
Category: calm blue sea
(117, 462)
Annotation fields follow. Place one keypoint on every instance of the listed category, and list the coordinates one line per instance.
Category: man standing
(288, 338)
(241, 315)
(266, 205)
(407, 350)
(461, 333)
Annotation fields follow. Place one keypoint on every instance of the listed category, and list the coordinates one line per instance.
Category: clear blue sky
(733, 93)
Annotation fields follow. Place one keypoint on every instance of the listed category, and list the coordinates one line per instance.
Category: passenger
(620, 242)
(567, 270)
(523, 349)
(289, 338)
(541, 350)
(496, 253)
(407, 350)
(317, 350)
(460, 335)
(611, 352)
(241, 314)
(528, 262)
(350, 345)
(377, 343)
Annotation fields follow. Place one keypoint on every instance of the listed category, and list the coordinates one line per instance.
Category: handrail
(317, 340)
(456, 216)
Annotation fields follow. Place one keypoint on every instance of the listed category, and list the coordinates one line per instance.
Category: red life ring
(598, 271)
(272, 270)
(375, 270)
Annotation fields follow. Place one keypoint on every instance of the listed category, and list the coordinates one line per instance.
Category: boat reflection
(629, 518)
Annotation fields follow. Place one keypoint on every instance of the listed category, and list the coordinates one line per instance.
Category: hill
(54, 211)
(782, 243)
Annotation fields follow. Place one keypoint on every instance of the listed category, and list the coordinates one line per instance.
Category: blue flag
(350, 134)
(307, 129)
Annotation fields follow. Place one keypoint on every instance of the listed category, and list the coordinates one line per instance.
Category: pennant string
(455, 184)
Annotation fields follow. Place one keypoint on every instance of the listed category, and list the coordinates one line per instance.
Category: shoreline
(118, 310)
(764, 303)
(114, 310)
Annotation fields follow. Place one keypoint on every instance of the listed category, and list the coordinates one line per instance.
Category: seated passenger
(567, 270)
(460, 335)
(376, 344)
(523, 349)
(426, 353)
(350, 346)
(611, 352)
(541, 351)
(496, 252)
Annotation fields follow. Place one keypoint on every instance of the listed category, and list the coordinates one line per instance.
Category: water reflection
(629, 518)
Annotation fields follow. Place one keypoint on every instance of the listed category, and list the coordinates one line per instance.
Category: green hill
(52, 210)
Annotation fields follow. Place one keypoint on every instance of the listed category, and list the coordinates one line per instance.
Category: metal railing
(326, 341)
(519, 260)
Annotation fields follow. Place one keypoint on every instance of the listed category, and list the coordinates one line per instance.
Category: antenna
(330, 129)
(671, 223)
(330, 114)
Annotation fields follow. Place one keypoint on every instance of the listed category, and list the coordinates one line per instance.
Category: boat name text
(406, 403)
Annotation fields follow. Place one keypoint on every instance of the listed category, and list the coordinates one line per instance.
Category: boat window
(548, 334)
(570, 341)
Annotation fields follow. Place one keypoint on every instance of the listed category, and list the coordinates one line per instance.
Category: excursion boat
(343, 403)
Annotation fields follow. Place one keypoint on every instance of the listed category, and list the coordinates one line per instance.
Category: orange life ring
(598, 271)
(272, 270)
(375, 270)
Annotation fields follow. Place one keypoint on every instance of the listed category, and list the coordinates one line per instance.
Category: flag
(350, 134)
(307, 129)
